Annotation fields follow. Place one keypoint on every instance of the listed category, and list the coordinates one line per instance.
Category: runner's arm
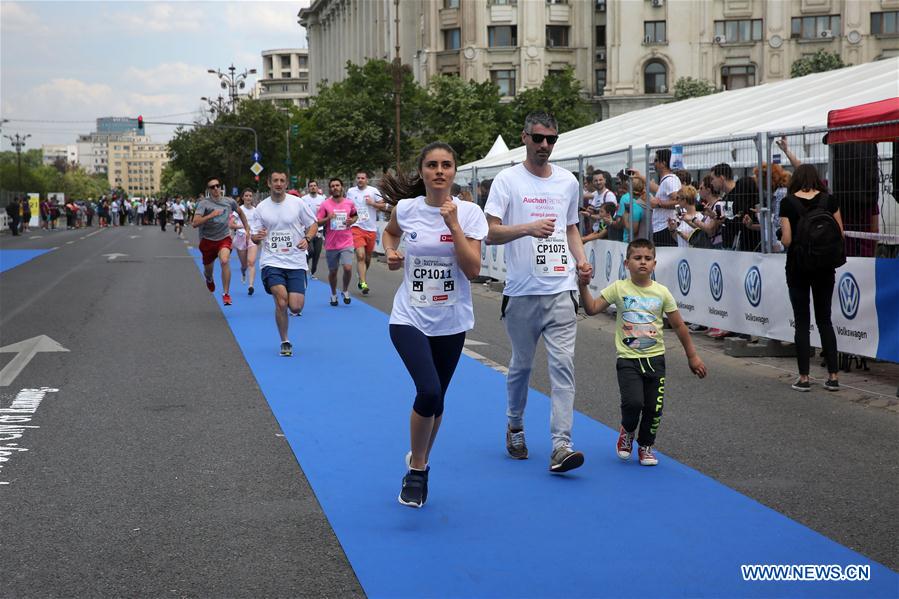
(680, 329)
(391, 241)
(592, 305)
(498, 233)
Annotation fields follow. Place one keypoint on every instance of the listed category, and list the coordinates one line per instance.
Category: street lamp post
(232, 81)
(18, 142)
(217, 105)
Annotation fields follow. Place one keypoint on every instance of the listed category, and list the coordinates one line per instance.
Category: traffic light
(140, 124)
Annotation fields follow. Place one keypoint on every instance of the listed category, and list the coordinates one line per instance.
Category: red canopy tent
(864, 114)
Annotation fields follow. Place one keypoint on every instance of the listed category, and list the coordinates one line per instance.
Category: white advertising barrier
(746, 292)
(379, 236)
(493, 261)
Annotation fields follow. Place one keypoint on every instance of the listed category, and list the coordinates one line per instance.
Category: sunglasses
(539, 137)
(215, 186)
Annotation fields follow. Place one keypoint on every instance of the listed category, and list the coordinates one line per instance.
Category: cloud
(161, 17)
(167, 76)
(272, 18)
(15, 17)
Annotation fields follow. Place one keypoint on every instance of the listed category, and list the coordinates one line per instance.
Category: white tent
(499, 147)
(783, 105)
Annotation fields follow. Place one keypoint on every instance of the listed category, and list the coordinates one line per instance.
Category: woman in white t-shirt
(432, 308)
(247, 251)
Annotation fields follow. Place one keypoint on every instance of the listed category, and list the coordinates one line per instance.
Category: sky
(72, 62)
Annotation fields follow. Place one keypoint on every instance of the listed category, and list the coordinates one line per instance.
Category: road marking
(25, 350)
(94, 233)
(473, 342)
(111, 257)
(69, 242)
(486, 361)
(14, 420)
(134, 236)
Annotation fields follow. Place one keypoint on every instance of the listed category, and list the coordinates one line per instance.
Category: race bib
(432, 281)
(280, 242)
(338, 221)
(551, 255)
(363, 214)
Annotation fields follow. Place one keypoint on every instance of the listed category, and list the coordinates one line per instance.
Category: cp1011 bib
(432, 281)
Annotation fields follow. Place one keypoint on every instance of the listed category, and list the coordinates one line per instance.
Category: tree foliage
(560, 95)
(820, 61)
(687, 87)
(173, 182)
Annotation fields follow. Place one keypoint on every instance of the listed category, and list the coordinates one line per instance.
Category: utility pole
(18, 142)
(232, 81)
(397, 79)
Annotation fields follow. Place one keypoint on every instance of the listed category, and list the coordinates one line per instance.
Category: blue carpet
(12, 258)
(494, 527)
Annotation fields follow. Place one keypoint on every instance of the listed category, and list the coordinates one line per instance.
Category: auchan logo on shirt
(528, 200)
(446, 238)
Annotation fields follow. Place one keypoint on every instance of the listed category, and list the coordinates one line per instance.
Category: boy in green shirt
(641, 347)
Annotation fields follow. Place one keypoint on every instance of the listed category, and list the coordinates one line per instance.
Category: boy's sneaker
(832, 385)
(226, 299)
(243, 277)
(346, 297)
(565, 459)
(415, 488)
(717, 333)
(250, 290)
(333, 300)
(625, 443)
(803, 386)
(515, 444)
(364, 288)
(409, 461)
(210, 285)
(286, 349)
(647, 457)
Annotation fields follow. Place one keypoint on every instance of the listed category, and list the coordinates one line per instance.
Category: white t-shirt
(435, 296)
(286, 222)
(599, 199)
(368, 215)
(314, 202)
(536, 266)
(668, 185)
(178, 211)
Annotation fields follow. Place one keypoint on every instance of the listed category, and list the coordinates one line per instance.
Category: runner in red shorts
(212, 216)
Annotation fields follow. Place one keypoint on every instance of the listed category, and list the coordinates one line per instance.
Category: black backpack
(818, 242)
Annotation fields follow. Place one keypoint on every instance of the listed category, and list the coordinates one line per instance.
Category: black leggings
(821, 288)
(313, 254)
(431, 362)
(641, 382)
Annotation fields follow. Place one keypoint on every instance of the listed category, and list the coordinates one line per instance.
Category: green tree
(468, 116)
(820, 61)
(174, 182)
(560, 95)
(77, 184)
(350, 124)
(687, 87)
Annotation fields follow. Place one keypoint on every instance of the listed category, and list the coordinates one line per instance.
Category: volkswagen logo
(592, 263)
(752, 284)
(716, 282)
(608, 265)
(850, 295)
(683, 277)
(493, 250)
(622, 271)
(413, 234)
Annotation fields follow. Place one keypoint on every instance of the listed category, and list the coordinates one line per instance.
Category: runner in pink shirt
(337, 214)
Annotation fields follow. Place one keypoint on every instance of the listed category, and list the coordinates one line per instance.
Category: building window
(600, 81)
(809, 28)
(505, 79)
(304, 87)
(502, 2)
(452, 39)
(654, 32)
(303, 61)
(738, 77)
(285, 74)
(740, 31)
(885, 23)
(655, 78)
(285, 88)
(600, 36)
(450, 3)
(502, 36)
(556, 36)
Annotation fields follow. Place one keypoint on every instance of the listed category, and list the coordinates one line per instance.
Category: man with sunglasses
(533, 209)
(212, 216)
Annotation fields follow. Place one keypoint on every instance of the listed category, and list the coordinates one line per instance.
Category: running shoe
(409, 461)
(625, 443)
(359, 285)
(832, 385)
(565, 459)
(804, 386)
(333, 300)
(243, 277)
(415, 488)
(515, 444)
(250, 290)
(697, 328)
(717, 333)
(210, 285)
(286, 349)
(346, 297)
(364, 288)
(647, 457)
(226, 299)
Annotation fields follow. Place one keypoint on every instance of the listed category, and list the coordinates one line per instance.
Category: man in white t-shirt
(663, 205)
(368, 202)
(283, 225)
(601, 195)
(533, 209)
(178, 212)
(314, 200)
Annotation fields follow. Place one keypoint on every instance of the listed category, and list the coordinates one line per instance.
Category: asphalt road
(158, 469)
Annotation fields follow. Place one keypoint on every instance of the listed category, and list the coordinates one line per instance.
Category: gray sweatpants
(554, 317)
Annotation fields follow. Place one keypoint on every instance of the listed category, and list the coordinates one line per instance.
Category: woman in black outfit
(807, 192)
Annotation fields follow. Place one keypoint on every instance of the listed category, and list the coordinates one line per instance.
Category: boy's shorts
(210, 249)
(337, 257)
(364, 239)
(294, 279)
